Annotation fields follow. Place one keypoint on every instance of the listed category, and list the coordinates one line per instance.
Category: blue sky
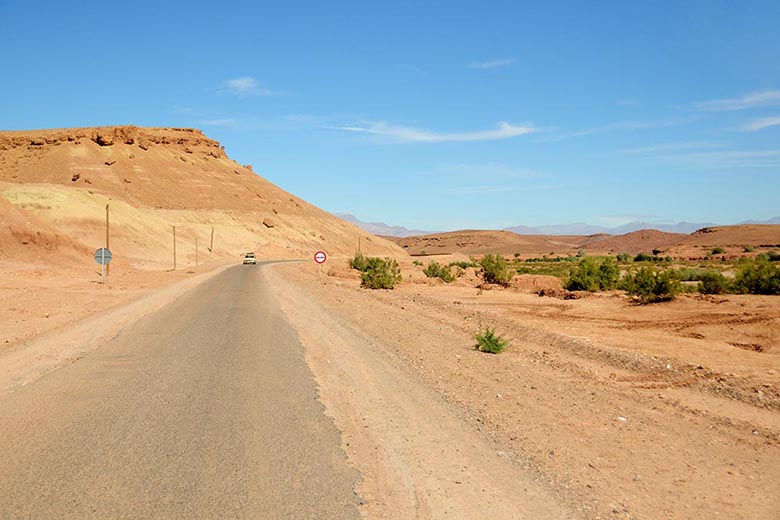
(434, 115)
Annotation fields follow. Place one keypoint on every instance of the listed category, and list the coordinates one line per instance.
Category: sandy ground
(623, 411)
(598, 409)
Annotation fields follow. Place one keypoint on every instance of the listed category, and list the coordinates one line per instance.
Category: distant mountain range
(378, 228)
(587, 229)
(579, 228)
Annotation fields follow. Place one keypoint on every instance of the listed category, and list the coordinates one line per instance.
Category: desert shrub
(380, 273)
(650, 286)
(494, 269)
(417, 263)
(772, 256)
(643, 257)
(757, 277)
(591, 275)
(657, 252)
(490, 342)
(748, 249)
(690, 274)
(359, 262)
(436, 270)
(580, 253)
(464, 264)
(713, 282)
(517, 255)
(718, 251)
(624, 258)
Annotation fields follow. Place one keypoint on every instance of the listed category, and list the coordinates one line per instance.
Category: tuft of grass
(490, 342)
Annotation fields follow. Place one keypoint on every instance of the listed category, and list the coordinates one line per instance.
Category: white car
(250, 259)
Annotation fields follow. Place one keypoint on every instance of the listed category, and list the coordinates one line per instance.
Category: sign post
(103, 257)
(320, 257)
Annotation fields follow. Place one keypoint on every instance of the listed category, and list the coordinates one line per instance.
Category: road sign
(320, 257)
(103, 256)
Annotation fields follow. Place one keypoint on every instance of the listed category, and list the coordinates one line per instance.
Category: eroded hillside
(55, 184)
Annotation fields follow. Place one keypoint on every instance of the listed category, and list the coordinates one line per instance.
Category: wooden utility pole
(196, 251)
(174, 248)
(108, 267)
(211, 244)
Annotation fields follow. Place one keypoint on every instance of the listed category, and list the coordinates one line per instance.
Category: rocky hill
(55, 185)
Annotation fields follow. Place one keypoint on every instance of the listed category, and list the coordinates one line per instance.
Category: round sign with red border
(320, 257)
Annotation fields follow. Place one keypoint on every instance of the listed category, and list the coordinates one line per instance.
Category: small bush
(358, 262)
(718, 251)
(380, 273)
(712, 282)
(624, 258)
(590, 275)
(417, 263)
(436, 270)
(490, 342)
(464, 265)
(748, 249)
(650, 286)
(757, 277)
(644, 257)
(494, 269)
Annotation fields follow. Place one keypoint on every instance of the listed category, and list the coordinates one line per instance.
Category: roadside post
(320, 257)
(103, 257)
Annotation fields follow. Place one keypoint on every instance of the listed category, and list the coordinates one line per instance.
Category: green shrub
(591, 275)
(463, 264)
(417, 263)
(650, 286)
(380, 273)
(713, 282)
(644, 257)
(494, 269)
(757, 277)
(748, 249)
(436, 270)
(718, 251)
(624, 258)
(490, 342)
(358, 262)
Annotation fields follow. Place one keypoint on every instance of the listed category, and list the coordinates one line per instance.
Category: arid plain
(606, 408)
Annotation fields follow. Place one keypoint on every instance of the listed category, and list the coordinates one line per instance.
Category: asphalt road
(204, 409)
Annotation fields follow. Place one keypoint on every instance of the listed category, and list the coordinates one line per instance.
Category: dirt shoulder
(622, 411)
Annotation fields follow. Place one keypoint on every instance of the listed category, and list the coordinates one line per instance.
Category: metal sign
(103, 256)
(320, 257)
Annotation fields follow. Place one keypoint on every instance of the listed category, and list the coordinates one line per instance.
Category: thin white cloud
(493, 64)
(764, 98)
(727, 159)
(407, 134)
(670, 147)
(225, 121)
(245, 86)
(760, 124)
(620, 125)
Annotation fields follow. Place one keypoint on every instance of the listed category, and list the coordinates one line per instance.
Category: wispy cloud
(408, 134)
(619, 125)
(506, 188)
(245, 86)
(485, 170)
(760, 124)
(225, 121)
(730, 159)
(764, 98)
(670, 147)
(496, 63)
